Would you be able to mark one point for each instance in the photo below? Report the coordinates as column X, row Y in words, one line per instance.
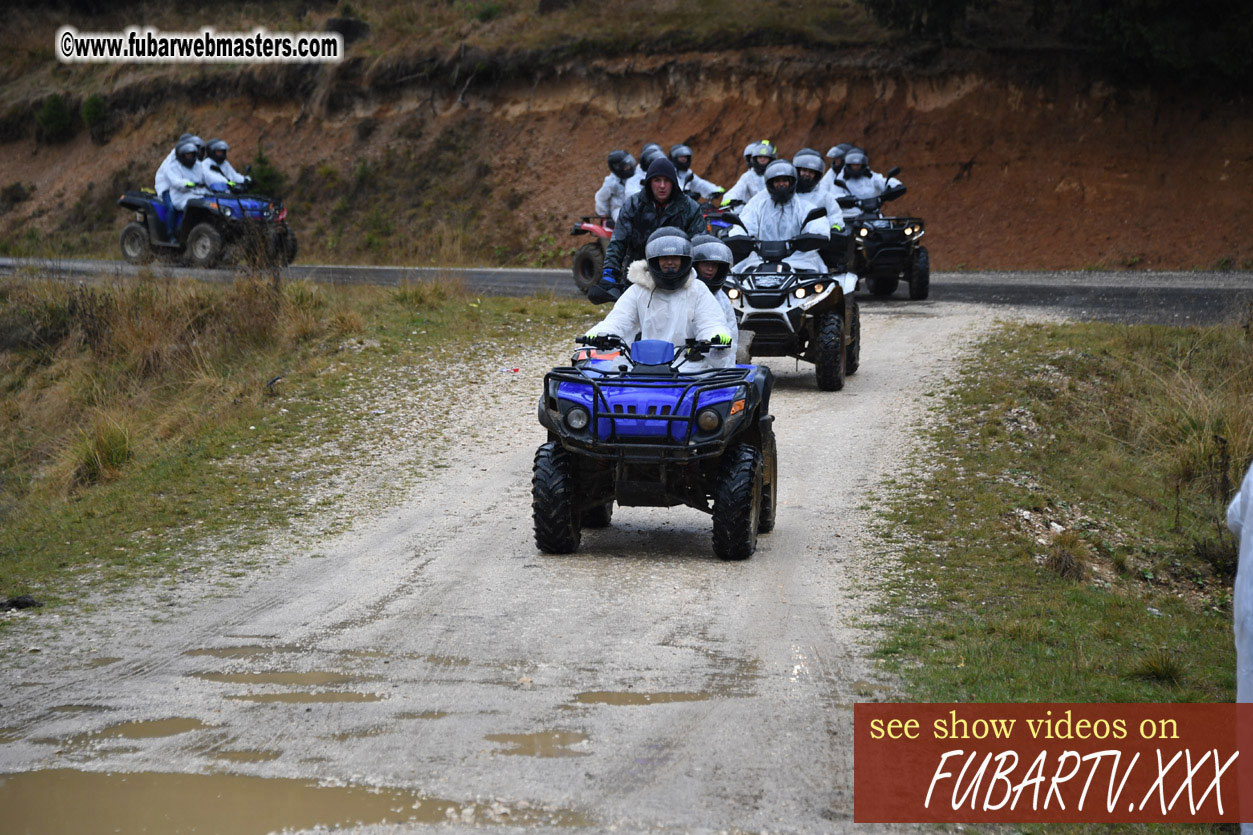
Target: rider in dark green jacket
column 659, row 203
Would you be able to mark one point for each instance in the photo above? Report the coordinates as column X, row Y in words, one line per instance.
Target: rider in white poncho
column 666, row 302
column 778, row 214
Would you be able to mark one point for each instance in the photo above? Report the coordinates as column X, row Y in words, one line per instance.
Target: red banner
column 1077, row 763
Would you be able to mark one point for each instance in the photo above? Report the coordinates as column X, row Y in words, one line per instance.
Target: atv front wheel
column 588, row 263
column 558, row 526
column 769, row 480
column 599, row 516
column 852, row 356
column 920, row 275
column 136, row 248
column 737, row 503
column 204, row 245
column 882, row 286
column 829, row 364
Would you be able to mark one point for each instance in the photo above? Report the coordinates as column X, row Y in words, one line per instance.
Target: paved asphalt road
column 1160, row 297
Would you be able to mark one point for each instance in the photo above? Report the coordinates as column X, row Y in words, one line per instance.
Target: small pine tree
column 267, row 179
column 55, row 121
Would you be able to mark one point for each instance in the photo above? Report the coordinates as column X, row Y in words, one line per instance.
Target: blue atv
column 213, row 227
column 626, row 425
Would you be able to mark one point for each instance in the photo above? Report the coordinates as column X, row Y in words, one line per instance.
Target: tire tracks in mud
column 663, row 689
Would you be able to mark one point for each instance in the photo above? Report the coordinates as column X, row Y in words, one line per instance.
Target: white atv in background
column 783, row 312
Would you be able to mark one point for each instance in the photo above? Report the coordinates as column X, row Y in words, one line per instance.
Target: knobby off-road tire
column 852, row 355
column 882, row 286
column 769, row 481
column 204, row 246
column 920, row 275
column 554, row 503
column 599, row 516
column 737, row 503
column 588, row 264
column 829, row 364
column 135, row 246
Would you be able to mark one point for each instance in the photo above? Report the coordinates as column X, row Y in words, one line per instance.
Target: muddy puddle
column 363, row 733
column 10, row 735
column 425, row 714
column 144, row 729
column 248, row 651
column 306, row 698
column 79, row 709
column 101, row 662
column 545, row 744
column 311, row 679
column 610, row 697
column 36, row 802
column 246, row 756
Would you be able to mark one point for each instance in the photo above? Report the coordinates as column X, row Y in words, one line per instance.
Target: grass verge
column 1062, row 538
column 145, row 421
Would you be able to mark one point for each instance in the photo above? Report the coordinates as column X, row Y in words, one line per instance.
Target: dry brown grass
column 90, row 375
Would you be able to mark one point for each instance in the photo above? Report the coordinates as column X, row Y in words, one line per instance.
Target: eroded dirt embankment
column 1014, row 164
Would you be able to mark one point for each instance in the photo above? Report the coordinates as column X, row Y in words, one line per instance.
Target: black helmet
column 808, row 159
column 666, row 241
column 202, row 150
column 709, row 248
column 856, row 164
column 780, row 168
column 621, row 164
column 186, row 153
column 650, row 146
column 764, row 148
column 218, row 149
column 681, row 156
column 651, row 155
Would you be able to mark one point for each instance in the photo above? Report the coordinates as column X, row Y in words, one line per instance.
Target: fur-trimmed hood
column 638, row 273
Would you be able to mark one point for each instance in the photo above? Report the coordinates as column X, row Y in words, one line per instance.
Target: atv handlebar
column 692, row 349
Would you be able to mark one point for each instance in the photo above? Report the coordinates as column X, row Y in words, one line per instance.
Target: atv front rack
column 665, row 448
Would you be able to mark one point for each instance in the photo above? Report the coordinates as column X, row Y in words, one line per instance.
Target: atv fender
column 847, row 282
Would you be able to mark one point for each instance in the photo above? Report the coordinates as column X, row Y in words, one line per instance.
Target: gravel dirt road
column 433, row 654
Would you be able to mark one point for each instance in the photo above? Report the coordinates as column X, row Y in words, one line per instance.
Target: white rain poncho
column 220, row 172
column 748, row 186
column 610, row 197
column 863, row 187
column 767, row 220
column 825, row 198
column 732, row 326
column 690, row 181
column 1240, row 521
column 185, row 183
column 634, row 184
column 675, row 316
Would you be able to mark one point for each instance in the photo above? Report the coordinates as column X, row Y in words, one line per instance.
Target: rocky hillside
column 460, row 144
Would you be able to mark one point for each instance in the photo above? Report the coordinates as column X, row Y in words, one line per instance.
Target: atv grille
column 764, row 300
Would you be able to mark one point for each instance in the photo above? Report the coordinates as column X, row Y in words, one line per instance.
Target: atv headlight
column 577, row 418
column 226, row 210
column 708, row 420
column 864, row 231
column 818, row 288
column 909, row 230
column 799, row 292
column 733, row 294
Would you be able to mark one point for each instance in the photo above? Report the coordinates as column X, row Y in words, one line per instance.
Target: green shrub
column 94, row 111
column 267, row 178
column 56, row 122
